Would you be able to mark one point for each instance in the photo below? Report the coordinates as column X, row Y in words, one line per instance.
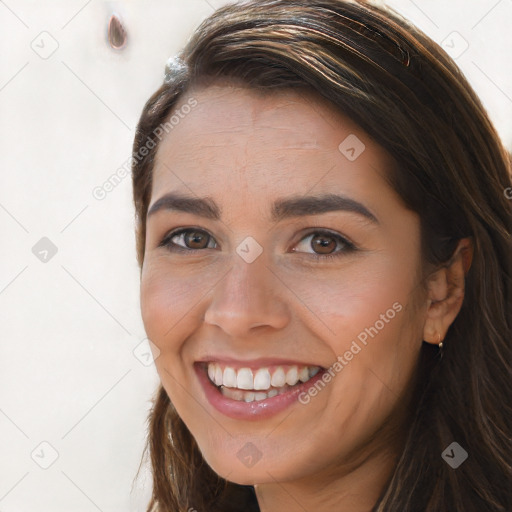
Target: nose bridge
column 248, row 296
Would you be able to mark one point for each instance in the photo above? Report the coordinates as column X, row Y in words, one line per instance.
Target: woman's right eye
column 186, row 240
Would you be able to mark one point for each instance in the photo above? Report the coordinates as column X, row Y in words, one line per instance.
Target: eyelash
column 349, row 247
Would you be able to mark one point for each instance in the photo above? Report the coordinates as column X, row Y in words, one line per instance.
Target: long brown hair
column 452, row 169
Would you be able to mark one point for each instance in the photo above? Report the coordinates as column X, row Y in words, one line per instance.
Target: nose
column 250, row 295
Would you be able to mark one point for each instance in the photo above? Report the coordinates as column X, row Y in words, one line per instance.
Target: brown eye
column 196, row 239
column 324, row 244
column 188, row 239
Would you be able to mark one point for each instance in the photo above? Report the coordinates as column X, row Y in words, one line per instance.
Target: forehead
column 236, row 138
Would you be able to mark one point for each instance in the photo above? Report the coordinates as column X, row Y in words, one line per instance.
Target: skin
column 244, row 149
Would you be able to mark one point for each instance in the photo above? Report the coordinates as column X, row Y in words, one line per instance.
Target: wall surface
column 76, row 376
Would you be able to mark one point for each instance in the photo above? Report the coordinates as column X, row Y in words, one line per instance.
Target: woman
column 324, row 238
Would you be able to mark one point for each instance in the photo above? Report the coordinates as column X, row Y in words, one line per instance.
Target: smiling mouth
column 256, row 384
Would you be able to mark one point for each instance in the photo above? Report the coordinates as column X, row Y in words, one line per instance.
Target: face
column 290, row 277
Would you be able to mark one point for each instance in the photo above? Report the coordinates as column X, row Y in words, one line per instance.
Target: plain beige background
column 75, row 374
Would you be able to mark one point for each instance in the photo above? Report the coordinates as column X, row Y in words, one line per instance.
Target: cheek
column 351, row 298
column 167, row 303
column 365, row 318
column 170, row 309
column 366, row 314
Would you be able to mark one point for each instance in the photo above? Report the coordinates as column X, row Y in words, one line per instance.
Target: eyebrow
column 282, row 208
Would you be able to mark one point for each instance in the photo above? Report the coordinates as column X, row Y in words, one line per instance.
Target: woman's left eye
column 321, row 240
column 326, row 242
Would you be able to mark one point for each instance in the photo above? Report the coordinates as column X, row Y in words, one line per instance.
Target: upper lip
column 257, row 363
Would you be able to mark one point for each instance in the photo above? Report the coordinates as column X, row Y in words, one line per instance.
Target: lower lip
column 255, row 410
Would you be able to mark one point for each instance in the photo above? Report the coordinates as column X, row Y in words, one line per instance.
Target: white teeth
column 249, row 396
column 292, row 376
column 313, row 370
column 279, row 378
column 304, row 374
column 244, row 384
column 211, row 372
column 234, row 394
column 218, row 376
column 229, row 378
column 244, row 379
column 262, row 379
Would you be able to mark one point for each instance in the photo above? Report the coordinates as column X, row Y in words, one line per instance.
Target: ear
column 446, row 289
